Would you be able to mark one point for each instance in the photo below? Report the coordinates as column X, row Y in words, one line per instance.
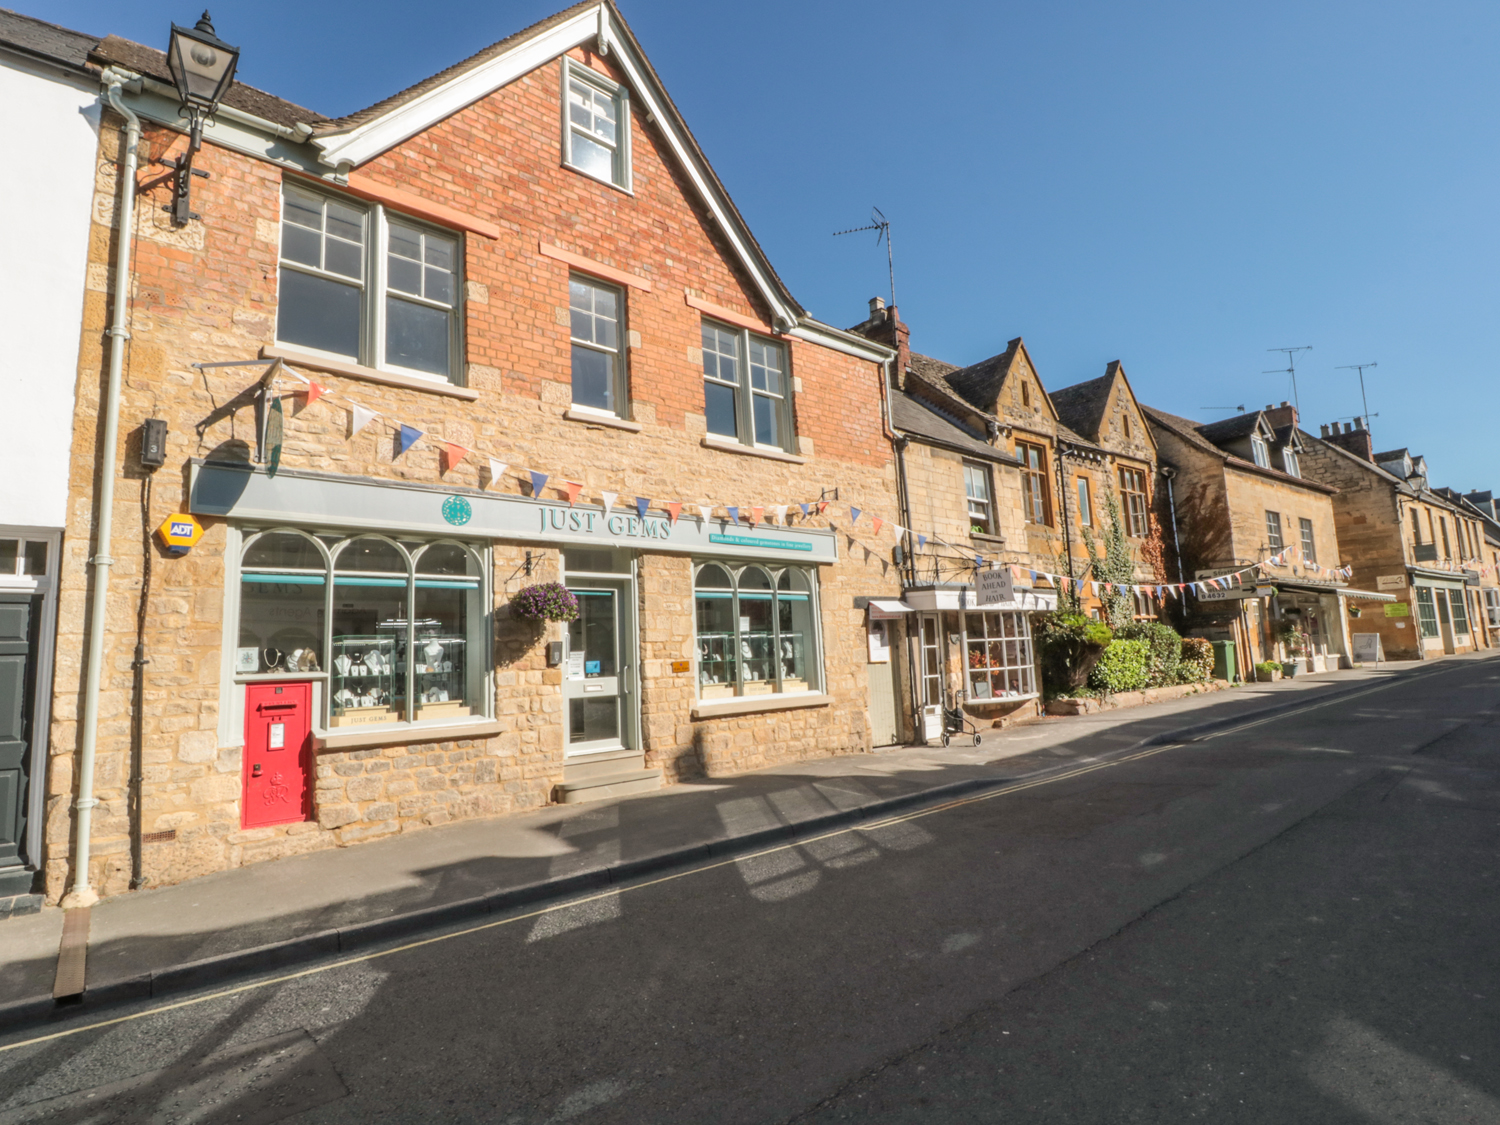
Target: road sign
column 180, row 531
column 1236, row 593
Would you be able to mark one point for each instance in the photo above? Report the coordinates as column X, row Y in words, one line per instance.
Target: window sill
column 750, row 705
column 729, row 445
column 999, row 700
column 981, row 537
column 573, row 414
column 397, row 736
column 367, row 374
column 598, row 179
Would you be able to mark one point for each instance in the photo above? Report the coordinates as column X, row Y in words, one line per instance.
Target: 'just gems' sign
column 313, row 500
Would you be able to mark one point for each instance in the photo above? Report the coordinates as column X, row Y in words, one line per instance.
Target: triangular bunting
column 497, row 470
column 609, row 499
column 360, row 417
column 878, row 522
column 674, row 509
column 921, row 541
column 734, row 514
column 571, row 489
column 707, row 511
column 755, row 514
column 452, row 455
column 805, row 508
column 538, row 482
column 641, row 504
column 780, row 511
column 315, row 392
column 854, row 515
column 408, row 437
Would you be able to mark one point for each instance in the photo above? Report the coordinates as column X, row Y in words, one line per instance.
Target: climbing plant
column 1110, row 560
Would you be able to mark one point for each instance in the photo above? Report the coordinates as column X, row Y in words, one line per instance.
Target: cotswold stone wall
column 208, row 293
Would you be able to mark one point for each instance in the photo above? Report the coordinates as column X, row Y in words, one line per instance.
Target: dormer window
column 1258, row 451
column 1289, row 461
column 596, row 125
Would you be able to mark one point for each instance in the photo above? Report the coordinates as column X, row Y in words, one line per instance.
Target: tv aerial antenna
column 1240, row 409
column 882, row 228
column 1290, row 369
column 1360, row 367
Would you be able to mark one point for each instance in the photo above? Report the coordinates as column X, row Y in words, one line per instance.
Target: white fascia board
column 824, row 336
column 728, row 225
column 226, row 132
column 365, row 142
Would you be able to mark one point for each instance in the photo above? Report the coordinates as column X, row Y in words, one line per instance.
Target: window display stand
column 365, row 683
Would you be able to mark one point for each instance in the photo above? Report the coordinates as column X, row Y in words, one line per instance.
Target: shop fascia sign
column 307, row 499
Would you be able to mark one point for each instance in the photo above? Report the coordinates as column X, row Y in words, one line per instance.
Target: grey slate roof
column 153, row 63
column 924, row 421
column 1081, row 406
column 1231, row 429
column 44, row 40
column 980, row 382
column 1194, row 434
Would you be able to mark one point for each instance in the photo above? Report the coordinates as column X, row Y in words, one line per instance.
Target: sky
column 1177, row 185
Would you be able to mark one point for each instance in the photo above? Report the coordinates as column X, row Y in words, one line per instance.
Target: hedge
column 1124, row 666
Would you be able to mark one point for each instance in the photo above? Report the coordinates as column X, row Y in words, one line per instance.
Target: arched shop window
column 399, row 628
column 756, row 630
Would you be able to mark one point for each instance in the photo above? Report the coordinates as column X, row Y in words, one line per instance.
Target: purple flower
column 546, row 601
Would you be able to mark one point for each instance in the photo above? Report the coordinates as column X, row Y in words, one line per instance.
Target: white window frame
column 978, row 473
column 619, row 351
column 1023, row 668
column 1137, row 503
column 374, row 290
column 1309, row 539
column 1085, row 503
column 745, row 394
column 1289, row 462
column 1258, row 452
column 1275, row 531
column 601, row 84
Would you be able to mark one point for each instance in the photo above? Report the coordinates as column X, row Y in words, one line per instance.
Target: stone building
column 1406, row 539
column 505, row 328
column 1484, row 506
column 1242, row 493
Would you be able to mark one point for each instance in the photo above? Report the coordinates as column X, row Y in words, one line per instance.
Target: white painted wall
column 51, row 134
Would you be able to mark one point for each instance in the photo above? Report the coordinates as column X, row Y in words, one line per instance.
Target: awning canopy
column 888, row 607
column 955, row 598
column 1366, row 595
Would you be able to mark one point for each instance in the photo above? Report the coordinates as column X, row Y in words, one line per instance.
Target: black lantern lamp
column 202, row 67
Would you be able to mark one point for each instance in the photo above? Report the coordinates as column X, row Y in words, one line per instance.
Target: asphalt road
column 1294, row 921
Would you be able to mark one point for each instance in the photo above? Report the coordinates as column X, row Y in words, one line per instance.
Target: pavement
column 163, row 940
column 1279, row 906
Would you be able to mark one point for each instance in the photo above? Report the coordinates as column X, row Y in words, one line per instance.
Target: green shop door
column 19, row 617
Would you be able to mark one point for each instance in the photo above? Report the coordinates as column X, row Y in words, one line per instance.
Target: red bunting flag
column 756, row 513
column 570, row 489
column 674, row 509
column 314, row 392
column 452, row 455
column 878, row 522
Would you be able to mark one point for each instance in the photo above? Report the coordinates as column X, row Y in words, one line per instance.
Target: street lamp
column 202, row 67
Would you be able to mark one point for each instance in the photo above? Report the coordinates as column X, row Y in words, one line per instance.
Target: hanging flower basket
column 546, row 601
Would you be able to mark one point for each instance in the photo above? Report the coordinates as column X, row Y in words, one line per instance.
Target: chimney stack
column 1283, row 415
column 1354, row 438
column 877, row 306
column 885, row 327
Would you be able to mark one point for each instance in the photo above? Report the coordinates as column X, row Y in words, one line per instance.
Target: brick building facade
column 527, row 261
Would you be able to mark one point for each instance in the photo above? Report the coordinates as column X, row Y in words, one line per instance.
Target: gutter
column 83, row 894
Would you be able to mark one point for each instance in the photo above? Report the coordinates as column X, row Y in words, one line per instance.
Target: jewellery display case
column 716, row 665
column 365, row 682
column 441, row 673
column 753, row 655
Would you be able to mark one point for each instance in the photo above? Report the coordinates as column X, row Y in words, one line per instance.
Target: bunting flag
column 707, row 511
column 822, row 506
column 805, row 508
column 360, row 417
column 571, row 489
column 674, row 509
column 641, row 504
column 734, row 514
column 609, row 499
column 314, row 392
column 408, row 437
column 755, row 515
column 854, row 515
column 538, row 481
column 497, row 469
column 878, row 522
column 921, row 541
column 780, row 510
column 452, row 455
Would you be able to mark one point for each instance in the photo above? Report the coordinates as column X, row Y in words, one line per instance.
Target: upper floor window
column 596, row 131
column 1447, row 549
column 361, row 285
column 595, row 312
column 1289, row 461
column 1133, row 489
column 1416, row 529
column 1309, row 545
column 977, row 490
column 1258, row 451
column 1085, row 503
column 1034, row 494
column 1273, row 531
column 745, row 387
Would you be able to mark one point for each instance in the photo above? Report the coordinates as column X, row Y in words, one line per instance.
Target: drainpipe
column 83, row 894
column 903, row 501
column 1169, row 472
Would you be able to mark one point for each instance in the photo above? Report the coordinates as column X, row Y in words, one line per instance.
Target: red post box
column 278, row 754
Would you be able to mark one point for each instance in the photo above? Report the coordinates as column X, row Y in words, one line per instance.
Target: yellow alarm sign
column 179, row 531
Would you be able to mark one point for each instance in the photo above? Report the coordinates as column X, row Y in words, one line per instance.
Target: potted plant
column 1267, row 672
column 546, row 601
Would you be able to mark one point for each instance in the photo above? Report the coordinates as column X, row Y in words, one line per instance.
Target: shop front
column 370, row 614
column 1444, row 611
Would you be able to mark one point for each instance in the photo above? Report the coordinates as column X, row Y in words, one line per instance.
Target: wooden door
column 19, row 615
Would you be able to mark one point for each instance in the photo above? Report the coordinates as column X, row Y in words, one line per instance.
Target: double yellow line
column 917, row 814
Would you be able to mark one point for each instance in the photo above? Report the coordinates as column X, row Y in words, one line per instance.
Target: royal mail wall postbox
column 278, row 754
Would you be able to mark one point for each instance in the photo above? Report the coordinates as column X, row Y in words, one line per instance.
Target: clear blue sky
column 1176, row 185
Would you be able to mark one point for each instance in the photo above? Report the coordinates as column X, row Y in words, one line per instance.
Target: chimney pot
column 1358, row 424
column 1285, row 403
column 876, row 305
column 1325, row 432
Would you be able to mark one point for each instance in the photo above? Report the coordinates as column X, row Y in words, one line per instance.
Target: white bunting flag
column 360, row 417
column 609, row 500
column 497, row 470
column 780, row 510
column 707, row 511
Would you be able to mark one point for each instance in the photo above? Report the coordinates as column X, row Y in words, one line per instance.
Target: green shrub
column 1197, row 660
column 1266, row 667
column 1069, row 645
column 1124, row 666
column 1166, row 649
